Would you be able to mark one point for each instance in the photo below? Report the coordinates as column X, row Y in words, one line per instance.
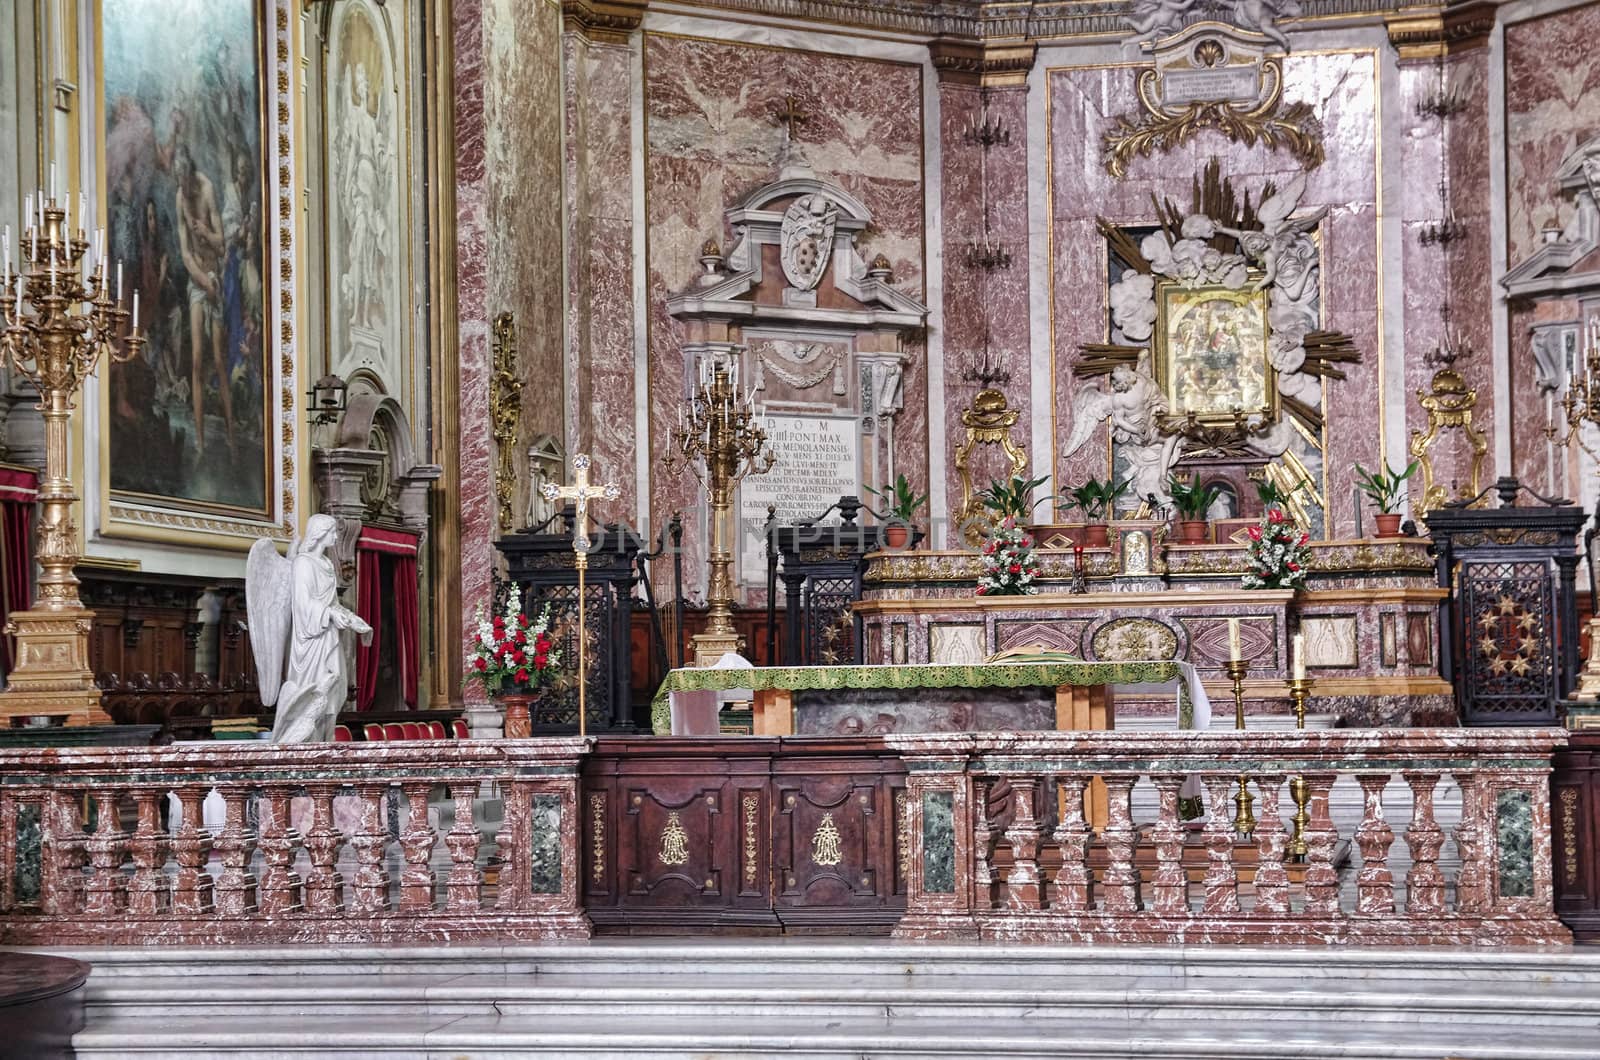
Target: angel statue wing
column 267, row 588
column 1276, row 208
column 1090, row 406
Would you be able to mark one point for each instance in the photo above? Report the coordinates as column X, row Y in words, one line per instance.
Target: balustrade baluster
column 1023, row 890
column 105, row 891
column 1272, row 879
column 236, row 886
column 1221, row 882
column 1169, row 887
column 983, row 843
column 1424, row 838
column 416, row 879
column 1374, row 883
column 1472, row 844
column 1074, row 884
column 147, row 889
column 369, row 886
column 463, row 883
column 280, row 884
column 1121, row 879
column 514, row 887
column 324, row 886
column 1322, row 880
column 61, row 854
column 191, row 848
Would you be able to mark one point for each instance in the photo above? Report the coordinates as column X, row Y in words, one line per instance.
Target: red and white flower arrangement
column 510, row 652
column 1278, row 553
column 1009, row 565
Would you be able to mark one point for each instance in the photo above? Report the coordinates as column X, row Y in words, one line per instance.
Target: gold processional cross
column 581, row 493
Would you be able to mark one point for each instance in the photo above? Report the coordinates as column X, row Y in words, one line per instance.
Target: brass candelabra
column 60, row 313
column 1579, row 405
column 1299, row 690
column 1244, row 820
column 720, row 441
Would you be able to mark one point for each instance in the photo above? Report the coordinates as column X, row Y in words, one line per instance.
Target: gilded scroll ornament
column 988, row 422
column 505, row 416
column 1449, row 403
column 674, row 842
column 597, row 834
column 751, row 803
column 825, row 847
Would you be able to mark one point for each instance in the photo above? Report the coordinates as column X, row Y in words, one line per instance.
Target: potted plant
column 1192, row 502
column 1385, row 488
column 511, row 657
column 1012, row 500
column 1096, row 499
column 903, row 503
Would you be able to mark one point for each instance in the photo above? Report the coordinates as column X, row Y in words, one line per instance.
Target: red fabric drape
column 19, row 492
column 400, row 548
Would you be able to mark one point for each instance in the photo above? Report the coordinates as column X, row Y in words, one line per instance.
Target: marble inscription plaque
column 817, row 461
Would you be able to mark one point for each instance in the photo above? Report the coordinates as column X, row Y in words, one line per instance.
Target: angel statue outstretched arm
column 297, row 629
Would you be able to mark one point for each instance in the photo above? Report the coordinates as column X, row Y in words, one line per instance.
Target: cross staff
column 581, row 493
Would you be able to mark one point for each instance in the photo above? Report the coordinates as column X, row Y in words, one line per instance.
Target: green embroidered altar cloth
column 1194, row 710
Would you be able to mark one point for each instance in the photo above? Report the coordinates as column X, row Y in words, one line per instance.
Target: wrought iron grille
column 1507, row 610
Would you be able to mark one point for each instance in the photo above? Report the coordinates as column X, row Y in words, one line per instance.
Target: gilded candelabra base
column 1299, row 691
column 52, row 675
column 1244, row 821
column 710, row 647
column 1589, row 679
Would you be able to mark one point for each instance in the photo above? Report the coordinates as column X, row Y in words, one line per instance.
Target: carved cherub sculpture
column 1287, row 255
column 294, row 611
column 1154, row 18
column 1134, row 405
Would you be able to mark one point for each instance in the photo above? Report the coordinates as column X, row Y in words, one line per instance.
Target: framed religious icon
column 185, row 212
column 1210, row 353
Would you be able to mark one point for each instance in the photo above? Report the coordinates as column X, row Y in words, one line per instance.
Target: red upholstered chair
column 459, row 727
column 341, row 734
column 412, row 730
column 393, row 731
column 436, row 730
column 372, row 731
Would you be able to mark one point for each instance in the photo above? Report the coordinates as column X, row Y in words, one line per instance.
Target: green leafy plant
column 1095, row 498
column 1012, row 500
column 1384, row 487
column 1191, row 499
column 901, row 499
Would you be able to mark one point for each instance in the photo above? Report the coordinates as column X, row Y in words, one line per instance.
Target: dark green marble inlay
column 1513, row 811
column 544, row 847
column 938, row 842
column 25, row 877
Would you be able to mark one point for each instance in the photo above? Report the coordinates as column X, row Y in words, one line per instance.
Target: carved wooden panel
column 1575, row 822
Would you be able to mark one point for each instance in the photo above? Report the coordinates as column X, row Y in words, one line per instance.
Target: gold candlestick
column 1244, row 821
column 721, row 443
column 1299, row 690
column 77, row 315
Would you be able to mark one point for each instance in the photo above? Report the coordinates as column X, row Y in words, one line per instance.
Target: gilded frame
column 197, row 522
column 1200, row 383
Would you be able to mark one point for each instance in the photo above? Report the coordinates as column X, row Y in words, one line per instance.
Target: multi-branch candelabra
column 60, row 313
column 1580, row 405
column 721, row 442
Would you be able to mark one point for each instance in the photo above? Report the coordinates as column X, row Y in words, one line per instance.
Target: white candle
column 119, row 282
column 5, row 270
column 1233, row 640
column 27, row 210
column 66, row 219
column 136, row 309
column 52, row 182
column 1299, row 657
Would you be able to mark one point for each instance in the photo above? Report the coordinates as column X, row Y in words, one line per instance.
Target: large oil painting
column 1211, row 352
column 185, row 214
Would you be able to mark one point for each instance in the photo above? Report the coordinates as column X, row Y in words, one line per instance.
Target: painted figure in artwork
column 362, row 145
column 202, row 245
column 294, row 604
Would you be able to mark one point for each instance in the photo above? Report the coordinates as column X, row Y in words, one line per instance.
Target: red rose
column 1293, row 565
column 522, row 620
column 499, row 623
column 1275, row 515
column 481, row 664
column 988, row 548
column 522, row 677
column 1255, row 533
column 1304, row 538
column 1015, row 568
column 982, row 590
column 541, row 662
column 1027, row 542
column 541, row 642
column 521, row 637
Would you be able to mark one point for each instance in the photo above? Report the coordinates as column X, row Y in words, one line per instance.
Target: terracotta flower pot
column 896, row 536
column 1193, row 531
column 1388, row 524
column 518, row 719
column 1096, row 535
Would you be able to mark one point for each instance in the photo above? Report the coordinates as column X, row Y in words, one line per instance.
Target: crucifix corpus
column 581, row 493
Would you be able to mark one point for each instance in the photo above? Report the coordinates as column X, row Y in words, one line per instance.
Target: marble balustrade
column 973, row 796
column 113, row 845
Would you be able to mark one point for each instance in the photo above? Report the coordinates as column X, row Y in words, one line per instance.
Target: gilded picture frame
column 1209, row 352
column 191, row 428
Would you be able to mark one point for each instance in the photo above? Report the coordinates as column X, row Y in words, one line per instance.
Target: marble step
column 779, row 995
column 419, row 1037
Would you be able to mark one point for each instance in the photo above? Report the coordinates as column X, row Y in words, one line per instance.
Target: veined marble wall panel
column 961, row 214
column 1552, row 104
column 600, row 313
column 1342, row 85
column 711, row 136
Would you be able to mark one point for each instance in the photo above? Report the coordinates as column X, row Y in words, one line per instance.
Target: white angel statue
column 294, row 604
column 1134, row 405
column 1285, row 251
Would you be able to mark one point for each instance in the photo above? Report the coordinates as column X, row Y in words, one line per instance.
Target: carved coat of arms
column 808, row 239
